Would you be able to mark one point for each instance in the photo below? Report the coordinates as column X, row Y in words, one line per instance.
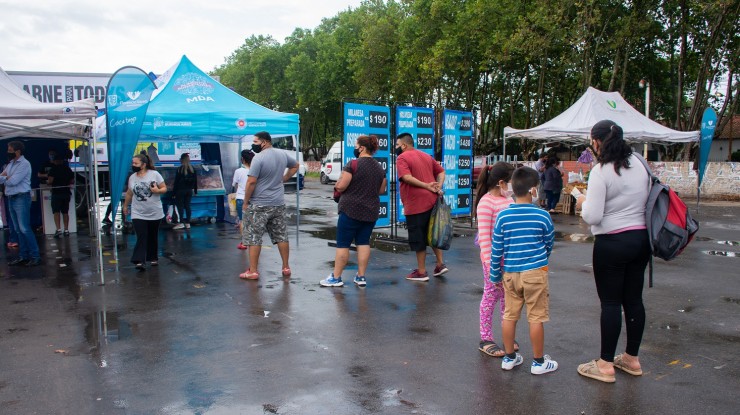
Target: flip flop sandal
column 491, row 349
column 619, row 364
column 247, row 275
column 286, row 272
column 591, row 370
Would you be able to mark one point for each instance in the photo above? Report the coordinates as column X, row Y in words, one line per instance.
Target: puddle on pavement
column 732, row 300
column 703, row 239
column 574, row 237
column 722, row 253
column 732, row 243
column 378, row 240
column 103, row 328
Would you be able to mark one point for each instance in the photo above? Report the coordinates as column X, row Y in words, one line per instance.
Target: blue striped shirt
column 523, row 236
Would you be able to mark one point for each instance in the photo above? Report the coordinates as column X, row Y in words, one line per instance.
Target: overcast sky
column 104, row 35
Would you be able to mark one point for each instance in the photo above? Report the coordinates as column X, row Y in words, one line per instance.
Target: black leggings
column 147, row 240
column 182, row 201
column 619, row 269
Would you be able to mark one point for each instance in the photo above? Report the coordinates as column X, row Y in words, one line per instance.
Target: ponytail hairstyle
column 489, row 178
column 145, row 161
column 247, row 156
column 552, row 161
column 612, row 147
column 185, row 166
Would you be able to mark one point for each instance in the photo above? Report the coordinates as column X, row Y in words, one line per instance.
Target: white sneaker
column 548, row 366
column 508, row 363
column 179, row 226
column 187, row 226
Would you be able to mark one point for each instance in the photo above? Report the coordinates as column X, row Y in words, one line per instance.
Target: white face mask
column 506, row 192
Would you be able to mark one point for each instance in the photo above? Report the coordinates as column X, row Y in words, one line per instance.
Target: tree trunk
column 615, row 69
column 681, row 62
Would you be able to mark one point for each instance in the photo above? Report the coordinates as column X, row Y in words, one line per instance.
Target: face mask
column 256, row 148
column 11, row 156
column 399, row 150
column 507, row 193
column 357, row 152
column 136, row 169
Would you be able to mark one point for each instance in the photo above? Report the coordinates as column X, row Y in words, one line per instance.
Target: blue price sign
column 419, row 122
column 360, row 119
column 457, row 160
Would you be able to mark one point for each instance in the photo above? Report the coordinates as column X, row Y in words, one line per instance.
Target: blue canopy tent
column 190, row 106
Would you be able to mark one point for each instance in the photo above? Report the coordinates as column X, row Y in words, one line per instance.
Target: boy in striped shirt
column 523, row 236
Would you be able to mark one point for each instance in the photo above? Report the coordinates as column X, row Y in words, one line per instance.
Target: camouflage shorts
column 258, row 219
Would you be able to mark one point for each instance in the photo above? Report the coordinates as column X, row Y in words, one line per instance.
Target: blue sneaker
column 548, row 366
column 360, row 281
column 330, row 281
column 508, row 363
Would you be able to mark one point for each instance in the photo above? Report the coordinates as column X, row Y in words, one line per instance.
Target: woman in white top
column 618, row 188
column 143, row 201
column 240, row 183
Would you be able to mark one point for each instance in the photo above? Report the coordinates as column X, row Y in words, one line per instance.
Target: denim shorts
column 239, row 206
column 349, row 229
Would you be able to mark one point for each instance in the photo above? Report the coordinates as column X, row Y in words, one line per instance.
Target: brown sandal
column 491, row 349
column 591, row 370
column 619, row 364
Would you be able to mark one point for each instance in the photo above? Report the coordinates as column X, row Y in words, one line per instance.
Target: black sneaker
column 58, row 233
column 18, row 261
column 33, row 262
column 107, row 221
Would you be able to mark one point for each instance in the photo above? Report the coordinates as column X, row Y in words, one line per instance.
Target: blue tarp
column 191, row 106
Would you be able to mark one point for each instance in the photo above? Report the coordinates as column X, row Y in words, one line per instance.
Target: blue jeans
column 20, row 214
column 239, row 207
column 13, row 235
column 553, row 197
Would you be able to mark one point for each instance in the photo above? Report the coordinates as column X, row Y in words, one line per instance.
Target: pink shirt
column 488, row 209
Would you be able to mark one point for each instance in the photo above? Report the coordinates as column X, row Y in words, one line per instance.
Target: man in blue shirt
column 17, row 180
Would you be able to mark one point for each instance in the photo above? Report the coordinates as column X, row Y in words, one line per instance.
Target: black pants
column 147, row 240
column 619, row 269
column 182, row 201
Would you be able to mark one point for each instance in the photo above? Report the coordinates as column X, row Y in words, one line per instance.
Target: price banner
column 360, row 119
column 419, row 122
column 457, row 160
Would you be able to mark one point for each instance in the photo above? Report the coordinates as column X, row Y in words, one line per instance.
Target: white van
column 331, row 166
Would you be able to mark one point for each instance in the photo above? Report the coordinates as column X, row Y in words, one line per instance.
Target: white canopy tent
column 573, row 126
column 21, row 115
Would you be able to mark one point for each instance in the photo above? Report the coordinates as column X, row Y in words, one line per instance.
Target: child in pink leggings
column 493, row 196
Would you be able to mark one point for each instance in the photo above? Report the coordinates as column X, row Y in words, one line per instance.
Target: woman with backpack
column 618, row 188
column 185, row 186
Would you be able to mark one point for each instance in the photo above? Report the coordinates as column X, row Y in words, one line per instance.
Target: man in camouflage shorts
column 269, row 218
column 264, row 202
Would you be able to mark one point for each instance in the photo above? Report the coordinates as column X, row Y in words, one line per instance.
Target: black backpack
column 669, row 224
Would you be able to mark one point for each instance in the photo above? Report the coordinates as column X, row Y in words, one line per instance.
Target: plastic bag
column 232, row 204
column 439, row 233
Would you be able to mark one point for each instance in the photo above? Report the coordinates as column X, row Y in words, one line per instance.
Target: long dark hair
column 551, row 161
column 489, row 178
column 613, row 148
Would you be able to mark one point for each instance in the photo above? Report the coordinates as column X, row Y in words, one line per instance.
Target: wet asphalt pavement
column 190, row 337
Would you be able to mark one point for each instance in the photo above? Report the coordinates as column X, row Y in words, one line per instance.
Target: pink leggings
column 492, row 293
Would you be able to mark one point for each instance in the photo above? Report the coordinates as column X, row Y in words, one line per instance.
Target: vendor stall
column 573, row 126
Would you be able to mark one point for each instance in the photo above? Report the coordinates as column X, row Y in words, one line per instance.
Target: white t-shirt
column 240, row 181
column 145, row 204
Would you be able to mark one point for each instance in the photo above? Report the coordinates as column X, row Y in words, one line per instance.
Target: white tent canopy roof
column 574, row 124
column 21, row 115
